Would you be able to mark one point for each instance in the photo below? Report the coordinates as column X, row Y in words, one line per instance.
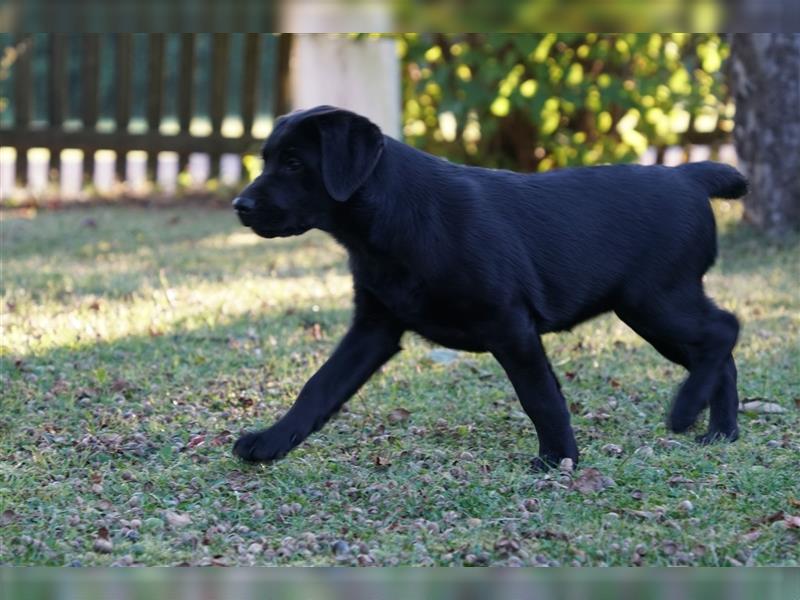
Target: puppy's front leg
column 369, row 343
column 539, row 392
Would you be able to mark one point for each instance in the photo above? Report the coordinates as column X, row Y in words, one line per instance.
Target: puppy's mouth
column 276, row 233
column 267, row 231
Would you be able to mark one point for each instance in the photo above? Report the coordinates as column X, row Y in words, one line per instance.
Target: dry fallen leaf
column 176, row 519
column 669, row 547
column 103, row 545
column 642, row 514
column 760, row 406
column 777, row 516
column 591, row 480
column 678, row 479
column 315, row 331
column 612, row 450
column 398, row 414
column 752, row 536
column 792, row 521
column 442, row 356
column 381, row 462
column 196, row 440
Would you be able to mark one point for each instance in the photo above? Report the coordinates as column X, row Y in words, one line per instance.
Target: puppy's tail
column 719, row 180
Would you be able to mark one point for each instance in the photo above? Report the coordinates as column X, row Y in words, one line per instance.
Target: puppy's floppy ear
column 351, row 146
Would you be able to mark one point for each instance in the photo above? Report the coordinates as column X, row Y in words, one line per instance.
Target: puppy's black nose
column 244, row 204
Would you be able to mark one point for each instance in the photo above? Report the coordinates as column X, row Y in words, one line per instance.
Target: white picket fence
column 70, row 178
column 70, row 182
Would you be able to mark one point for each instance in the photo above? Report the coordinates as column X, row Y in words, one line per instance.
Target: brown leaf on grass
column 669, row 547
column 381, row 462
column 752, row 536
column 776, row 516
column 121, row 385
column 222, row 438
column 598, row 416
column 196, row 440
column 176, row 519
column 797, row 402
column 679, row 479
column 506, row 546
column 549, row 534
column 398, row 415
column 760, row 406
column 792, row 521
column 615, row 383
column 315, row 331
column 642, row 514
column 102, row 533
column 591, row 480
column 103, row 546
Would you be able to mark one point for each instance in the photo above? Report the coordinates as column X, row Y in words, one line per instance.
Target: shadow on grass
column 743, row 250
column 245, row 372
column 121, row 251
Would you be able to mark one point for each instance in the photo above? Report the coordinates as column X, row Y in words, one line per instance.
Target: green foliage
column 537, row 101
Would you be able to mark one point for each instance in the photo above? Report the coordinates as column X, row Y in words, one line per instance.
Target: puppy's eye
column 292, row 163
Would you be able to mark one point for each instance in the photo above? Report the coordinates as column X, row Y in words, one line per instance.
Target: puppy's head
column 313, row 159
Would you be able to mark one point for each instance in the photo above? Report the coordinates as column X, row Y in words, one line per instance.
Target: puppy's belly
column 471, row 340
column 456, row 324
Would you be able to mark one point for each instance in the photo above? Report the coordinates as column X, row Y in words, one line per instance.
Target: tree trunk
column 765, row 77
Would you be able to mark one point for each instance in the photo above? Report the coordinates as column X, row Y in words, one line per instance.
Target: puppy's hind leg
column 539, row 392
column 688, row 329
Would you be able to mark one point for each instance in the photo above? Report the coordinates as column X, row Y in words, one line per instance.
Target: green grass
column 136, row 345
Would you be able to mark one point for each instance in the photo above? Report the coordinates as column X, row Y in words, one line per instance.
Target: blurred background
column 437, row 584
column 163, row 115
column 142, row 328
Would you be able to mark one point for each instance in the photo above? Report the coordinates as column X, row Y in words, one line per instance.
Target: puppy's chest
column 441, row 313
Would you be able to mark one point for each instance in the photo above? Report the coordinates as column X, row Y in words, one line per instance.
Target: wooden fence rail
column 249, row 56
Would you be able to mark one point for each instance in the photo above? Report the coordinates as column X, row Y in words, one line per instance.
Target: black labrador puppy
column 487, row 260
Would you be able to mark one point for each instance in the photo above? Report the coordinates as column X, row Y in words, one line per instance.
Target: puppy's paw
column 548, row 462
column 265, row 446
column 712, row 437
column 681, row 420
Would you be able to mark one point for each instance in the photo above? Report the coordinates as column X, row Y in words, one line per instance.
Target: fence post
column 281, row 96
column 185, row 79
column 220, row 50
column 57, row 92
column 249, row 85
column 90, row 76
column 22, row 95
column 123, row 116
column 155, row 94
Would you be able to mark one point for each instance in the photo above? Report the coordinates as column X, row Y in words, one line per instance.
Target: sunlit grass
column 136, row 343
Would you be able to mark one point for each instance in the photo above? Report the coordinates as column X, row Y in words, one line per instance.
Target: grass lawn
column 137, row 343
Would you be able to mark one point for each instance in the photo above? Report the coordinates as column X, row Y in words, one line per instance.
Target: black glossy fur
column 487, row 260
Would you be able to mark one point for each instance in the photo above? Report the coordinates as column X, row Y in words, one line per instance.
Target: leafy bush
column 538, row 101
